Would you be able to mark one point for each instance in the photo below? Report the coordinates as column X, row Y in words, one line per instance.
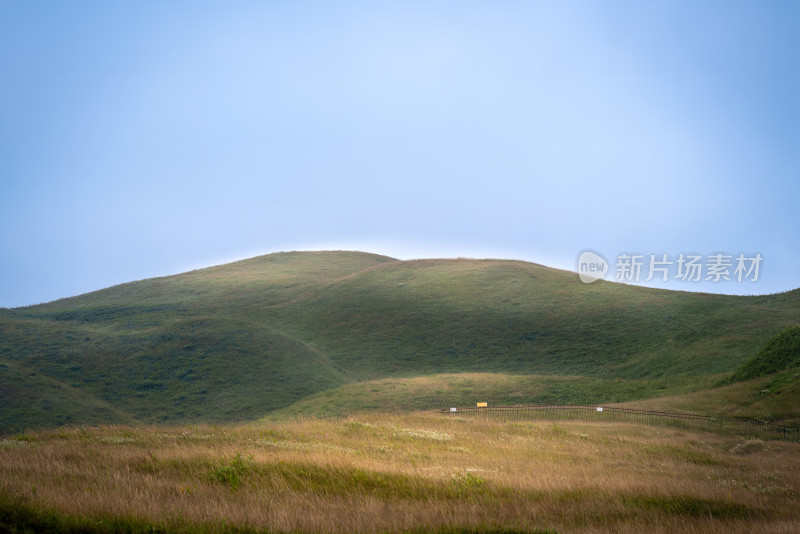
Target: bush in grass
column 231, row 473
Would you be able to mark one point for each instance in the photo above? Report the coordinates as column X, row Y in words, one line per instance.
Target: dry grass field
column 389, row 473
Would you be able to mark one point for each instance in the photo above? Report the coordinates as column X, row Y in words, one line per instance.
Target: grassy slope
column 399, row 395
column 238, row 341
column 780, row 352
column 420, row 317
column 185, row 347
column 29, row 396
column 767, row 386
column 773, row 398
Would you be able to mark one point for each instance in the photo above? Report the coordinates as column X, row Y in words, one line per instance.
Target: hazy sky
column 148, row 138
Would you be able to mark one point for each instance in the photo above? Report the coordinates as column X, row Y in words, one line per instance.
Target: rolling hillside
column 331, row 331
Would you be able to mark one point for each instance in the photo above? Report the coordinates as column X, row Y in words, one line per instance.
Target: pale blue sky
column 148, row 138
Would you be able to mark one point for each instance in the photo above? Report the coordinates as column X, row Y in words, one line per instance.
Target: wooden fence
column 720, row 424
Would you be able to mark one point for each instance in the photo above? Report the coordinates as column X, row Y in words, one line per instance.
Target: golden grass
column 378, row 473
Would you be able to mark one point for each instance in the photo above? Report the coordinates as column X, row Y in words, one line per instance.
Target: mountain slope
column 427, row 316
column 239, row 341
column 30, row 399
column 780, row 352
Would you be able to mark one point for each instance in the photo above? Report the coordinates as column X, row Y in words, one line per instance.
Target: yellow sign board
column 482, row 405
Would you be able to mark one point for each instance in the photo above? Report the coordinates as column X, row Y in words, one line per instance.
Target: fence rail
column 719, row 424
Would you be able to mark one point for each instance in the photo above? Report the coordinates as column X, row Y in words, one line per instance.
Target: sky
column 142, row 139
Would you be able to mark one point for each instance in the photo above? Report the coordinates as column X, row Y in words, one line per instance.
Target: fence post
column 748, row 427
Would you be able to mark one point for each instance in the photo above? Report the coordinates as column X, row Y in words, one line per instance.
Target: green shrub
column 231, row 473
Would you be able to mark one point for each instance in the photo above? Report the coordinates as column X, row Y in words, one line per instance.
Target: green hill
column 780, row 353
column 328, row 330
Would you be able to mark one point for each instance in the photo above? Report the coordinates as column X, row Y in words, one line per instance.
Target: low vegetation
column 299, row 380
column 391, row 473
column 332, row 332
